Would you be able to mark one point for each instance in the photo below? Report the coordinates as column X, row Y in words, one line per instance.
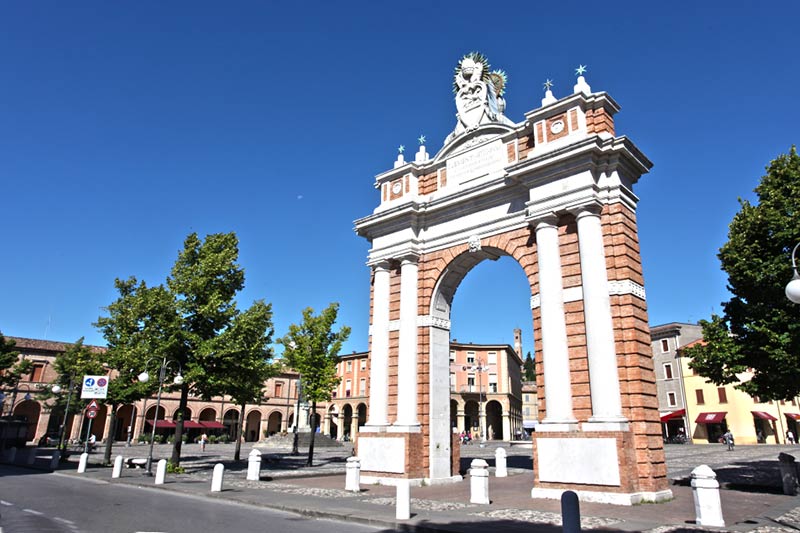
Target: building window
column 664, row 345
column 527, row 398
column 38, row 372
column 492, row 356
column 348, row 386
column 363, row 364
column 349, row 366
column 527, row 411
column 492, row 382
column 452, row 356
column 333, row 394
column 278, row 390
column 471, row 358
column 723, row 395
column 700, row 399
column 471, row 382
column 671, row 399
column 362, row 386
column 668, row 370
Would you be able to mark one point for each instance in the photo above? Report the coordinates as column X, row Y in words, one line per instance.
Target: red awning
column 191, row 424
column 793, row 416
column 211, row 424
column 673, row 414
column 162, row 424
column 762, row 415
column 710, row 418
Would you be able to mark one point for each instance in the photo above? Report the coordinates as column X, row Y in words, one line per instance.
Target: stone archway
column 274, row 423
column 333, row 425
column 231, row 423
column 31, row 410
column 453, row 414
column 555, row 193
column 494, row 421
column 252, row 426
column 126, row 421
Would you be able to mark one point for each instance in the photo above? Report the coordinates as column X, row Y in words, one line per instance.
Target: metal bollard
column 117, row 467
column 161, row 472
column 216, row 477
column 500, row 463
column 54, row 460
column 788, row 473
column 352, row 481
column 82, row 463
column 570, row 512
column 254, row 465
column 705, row 490
column 479, row 481
column 403, row 511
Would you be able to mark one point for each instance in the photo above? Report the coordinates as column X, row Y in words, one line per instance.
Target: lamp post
column 298, row 406
column 793, row 287
column 144, row 377
column 479, row 368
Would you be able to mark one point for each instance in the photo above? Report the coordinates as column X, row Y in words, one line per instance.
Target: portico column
column 507, row 427
column 407, row 360
column 555, row 356
column 460, row 422
column 340, row 435
column 379, row 356
column 600, row 347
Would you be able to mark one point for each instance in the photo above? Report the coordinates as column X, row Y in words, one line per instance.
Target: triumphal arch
column 554, row 191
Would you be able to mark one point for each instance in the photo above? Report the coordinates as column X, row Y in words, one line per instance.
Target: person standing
column 728, row 439
column 203, row 440
column 789, row 436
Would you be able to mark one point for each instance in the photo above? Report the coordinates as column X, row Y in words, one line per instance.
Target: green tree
column 759, row 329
column 238, row 361
column 529, row 368
column 128, row 350
column 312, row 349
column 12, row 368
column 76, row 361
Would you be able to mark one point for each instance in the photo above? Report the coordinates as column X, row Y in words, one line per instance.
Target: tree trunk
column 313, row 421
column 176, row 446
column 238, row 452
column 111, row 433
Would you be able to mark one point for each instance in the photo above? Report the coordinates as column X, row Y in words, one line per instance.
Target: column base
column 373, row 428
column 390, row 454
column 547, row 427
column 614, row 498
column 413, row 428
column 620, row 424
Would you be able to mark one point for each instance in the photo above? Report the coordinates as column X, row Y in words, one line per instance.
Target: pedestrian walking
column 728, row 439
column 203, row 440
column 789, row 436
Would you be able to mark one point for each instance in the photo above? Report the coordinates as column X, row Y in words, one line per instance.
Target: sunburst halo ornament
column 476, row 57
column 401, row 149
column 499, row 80
column 421, row 140
column 580, row 70
column 548, row 84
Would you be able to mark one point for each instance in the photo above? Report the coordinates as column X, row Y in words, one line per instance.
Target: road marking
column 31, row 511
column 7, row 504
column 65, row 521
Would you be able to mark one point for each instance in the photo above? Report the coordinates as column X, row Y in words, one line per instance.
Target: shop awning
column 793, row 416
column 191, row 424
column 762, row 415
column 162, row 424
column 710, row 418
column 673, row 414
column 211, row 424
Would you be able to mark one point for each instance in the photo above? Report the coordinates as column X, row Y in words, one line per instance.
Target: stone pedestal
column 387, row 456
column 705, row 490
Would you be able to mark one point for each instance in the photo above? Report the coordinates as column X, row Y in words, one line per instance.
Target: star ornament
column 421, row 140
column 401, row 149
column 548, row 85
column 580, row 70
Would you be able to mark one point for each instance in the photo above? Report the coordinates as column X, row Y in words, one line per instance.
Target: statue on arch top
column 479, row 94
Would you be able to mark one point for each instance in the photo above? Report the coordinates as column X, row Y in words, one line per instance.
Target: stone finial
column 400, row 159
column 548, row 93
column 581, row 86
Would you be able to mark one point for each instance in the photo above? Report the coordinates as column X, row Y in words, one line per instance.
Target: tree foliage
column 12, row 368
column 760, row 327
column 312, row 349
column 529, row 368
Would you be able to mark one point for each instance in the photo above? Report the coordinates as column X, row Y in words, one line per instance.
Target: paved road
column 42, row 503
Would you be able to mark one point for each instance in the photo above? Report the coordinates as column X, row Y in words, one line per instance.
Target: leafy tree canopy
column 760, row 328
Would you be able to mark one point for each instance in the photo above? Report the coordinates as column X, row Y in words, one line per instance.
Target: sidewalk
column 286, row 484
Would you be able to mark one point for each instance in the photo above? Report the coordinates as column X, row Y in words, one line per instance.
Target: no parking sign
column 95, row 387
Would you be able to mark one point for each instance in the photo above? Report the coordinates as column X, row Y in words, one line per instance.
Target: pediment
column 480, row 135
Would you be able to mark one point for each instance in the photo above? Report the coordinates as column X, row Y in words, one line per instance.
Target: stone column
column 507, row 431
column 558, row 389
column 460, row 418
column 379, row 368
column 407, row 360
column 353, row 427
column 602, row 355
column 326, row 424
column 340, row 435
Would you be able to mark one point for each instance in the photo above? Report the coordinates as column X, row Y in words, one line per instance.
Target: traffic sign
column 95, row 387
column 93, row 406
column 92, row 413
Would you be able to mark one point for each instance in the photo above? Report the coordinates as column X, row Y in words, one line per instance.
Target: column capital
column 544, row 220
column 590, row 208
column 409, row 258
column 383, row 265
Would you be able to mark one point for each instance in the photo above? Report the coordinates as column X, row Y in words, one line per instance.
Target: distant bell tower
column 553, row 191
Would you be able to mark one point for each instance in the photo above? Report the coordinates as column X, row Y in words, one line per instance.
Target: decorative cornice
column 433, row 321
column 615, row 288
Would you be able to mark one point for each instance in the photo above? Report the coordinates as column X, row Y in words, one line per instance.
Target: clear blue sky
column 126, row 126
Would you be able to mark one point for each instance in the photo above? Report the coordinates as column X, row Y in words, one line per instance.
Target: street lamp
column 479, row 368
column 793, row 287
column 144, row 377
column 298, row 407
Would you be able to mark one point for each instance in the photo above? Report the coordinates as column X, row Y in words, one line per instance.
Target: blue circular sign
column 89, row 382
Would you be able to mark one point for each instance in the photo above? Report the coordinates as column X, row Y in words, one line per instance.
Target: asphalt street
column 32, row 502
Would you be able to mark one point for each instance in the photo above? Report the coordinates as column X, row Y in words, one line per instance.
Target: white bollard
column 705, row 490
column 31, row 456
column 254, row 465
column 352, row 480
column 82, row 463
column 54, row 459
column 216, row 478
column 479, row 481
column 500, row 463
column 161, row 471
column 403, row 500
column 11, row 455
column 117, row 467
